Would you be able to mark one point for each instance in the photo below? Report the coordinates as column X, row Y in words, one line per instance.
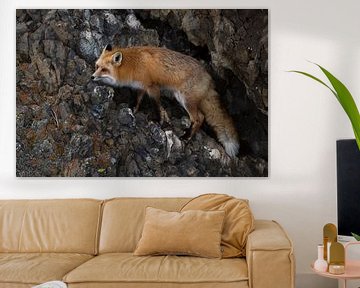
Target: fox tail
column 217, row 117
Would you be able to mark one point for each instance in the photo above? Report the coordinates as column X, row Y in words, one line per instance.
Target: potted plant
column 345, row 99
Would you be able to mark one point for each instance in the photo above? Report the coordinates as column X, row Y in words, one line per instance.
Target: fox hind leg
column 196, row 118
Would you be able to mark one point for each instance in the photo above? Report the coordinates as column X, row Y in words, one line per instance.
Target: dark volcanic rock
column 68, row 126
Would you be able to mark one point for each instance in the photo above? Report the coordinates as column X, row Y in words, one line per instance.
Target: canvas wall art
column 142, row 93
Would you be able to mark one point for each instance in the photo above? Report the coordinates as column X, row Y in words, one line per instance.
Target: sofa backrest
column 123, row 220
column 67, row 226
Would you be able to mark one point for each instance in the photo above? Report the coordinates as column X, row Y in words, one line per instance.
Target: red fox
column 150, row 69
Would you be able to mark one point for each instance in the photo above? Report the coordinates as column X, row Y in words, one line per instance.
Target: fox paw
column 135, row 109
column 186, row 136
column 164, row 118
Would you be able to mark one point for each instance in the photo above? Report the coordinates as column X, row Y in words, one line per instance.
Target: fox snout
column 94, row 77
column 104, row 79
column 99, row 78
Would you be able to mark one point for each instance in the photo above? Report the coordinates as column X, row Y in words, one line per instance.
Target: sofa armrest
column 269, row 255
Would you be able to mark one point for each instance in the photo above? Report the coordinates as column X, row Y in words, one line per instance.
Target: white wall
column 305, row 121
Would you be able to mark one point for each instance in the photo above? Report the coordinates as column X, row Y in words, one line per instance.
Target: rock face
column 68, row 126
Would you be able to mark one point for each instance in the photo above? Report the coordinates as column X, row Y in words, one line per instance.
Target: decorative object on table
column 320, row 264
column 336, row 269
column 51, row 284
column 337, row 258
column 344, row 97
column 333, row 251
column 340, row 267
column 329, row 236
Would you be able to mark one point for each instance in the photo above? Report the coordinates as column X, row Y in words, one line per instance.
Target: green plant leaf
column 344, row 97
column 357, row 137
column 316, row 79
column 346, row 100
column 357, row 237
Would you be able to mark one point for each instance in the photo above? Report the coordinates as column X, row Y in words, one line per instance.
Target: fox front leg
column 139, row 98
column 163, row 116
column 154, row 92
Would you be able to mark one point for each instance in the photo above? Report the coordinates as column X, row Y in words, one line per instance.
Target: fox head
column 105, row 66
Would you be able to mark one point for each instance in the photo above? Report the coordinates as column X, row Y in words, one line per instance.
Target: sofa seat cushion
column 127, row 268
column 36, row 268
column 242, row 284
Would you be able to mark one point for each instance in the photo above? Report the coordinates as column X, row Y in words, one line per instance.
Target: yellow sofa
column 89, row 243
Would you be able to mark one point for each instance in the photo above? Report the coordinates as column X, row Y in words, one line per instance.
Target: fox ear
column 116, row 58
column 108, row 47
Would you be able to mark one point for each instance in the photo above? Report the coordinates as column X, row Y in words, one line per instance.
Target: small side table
column 352, row 269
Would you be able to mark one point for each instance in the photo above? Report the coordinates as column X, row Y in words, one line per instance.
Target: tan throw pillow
column 196, row 233
column 239, row 220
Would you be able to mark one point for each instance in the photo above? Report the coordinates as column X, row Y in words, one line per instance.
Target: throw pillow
column 196, row 233
column 238, row 223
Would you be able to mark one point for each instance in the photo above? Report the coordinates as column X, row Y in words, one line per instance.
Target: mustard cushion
column 238, row 223
column 164, row 270
column 193, row 232
column 36, row 268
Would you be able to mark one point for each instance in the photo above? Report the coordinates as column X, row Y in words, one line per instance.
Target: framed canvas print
column 148, row 93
